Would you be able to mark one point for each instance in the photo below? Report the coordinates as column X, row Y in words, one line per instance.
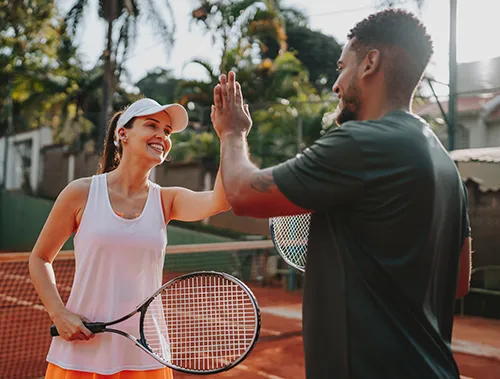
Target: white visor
column 147, row 107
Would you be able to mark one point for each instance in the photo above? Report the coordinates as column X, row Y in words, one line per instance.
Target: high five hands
column 230, row 115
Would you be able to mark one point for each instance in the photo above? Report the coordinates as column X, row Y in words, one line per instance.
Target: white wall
column 481, row 135
column 493, row 134
column 476, row 138
column 18, row 144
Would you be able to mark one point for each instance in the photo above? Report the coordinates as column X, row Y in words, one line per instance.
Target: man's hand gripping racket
column 200, row 323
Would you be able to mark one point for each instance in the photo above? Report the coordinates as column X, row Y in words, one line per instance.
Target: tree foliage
column 284, row 67
column 259, row 45
column 33, row 43
column 122, row 16
column 318, row 52
column 161, row 85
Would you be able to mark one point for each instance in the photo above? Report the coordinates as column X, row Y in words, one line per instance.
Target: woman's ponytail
column 111, row 154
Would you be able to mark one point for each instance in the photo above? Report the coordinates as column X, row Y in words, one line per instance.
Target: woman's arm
column 61, row 223
column 186, row 205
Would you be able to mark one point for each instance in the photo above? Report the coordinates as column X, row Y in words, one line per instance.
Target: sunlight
column 477, row 29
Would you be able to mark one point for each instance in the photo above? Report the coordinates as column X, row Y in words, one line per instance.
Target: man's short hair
column 404, row 41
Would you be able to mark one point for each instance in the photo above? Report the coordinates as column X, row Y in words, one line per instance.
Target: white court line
column 270, row 331
column 17, row 301
column 477, row 349
column 283, row 312
column 258, row 372
column 41, row 308
column 27, row 280
column 459, row 346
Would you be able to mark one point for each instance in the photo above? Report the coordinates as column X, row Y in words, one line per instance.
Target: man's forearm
column 236, row 166
column 251, row 191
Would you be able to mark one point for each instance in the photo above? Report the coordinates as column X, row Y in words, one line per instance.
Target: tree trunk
column 109, row 75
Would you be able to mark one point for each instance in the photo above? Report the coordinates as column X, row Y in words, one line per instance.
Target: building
column 478, row 106
column 21, row 161
column 480, row 170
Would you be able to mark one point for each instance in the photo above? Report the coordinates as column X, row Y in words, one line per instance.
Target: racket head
column 203, row 322
column 290, row 236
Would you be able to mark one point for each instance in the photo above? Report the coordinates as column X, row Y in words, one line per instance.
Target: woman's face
column 149, row 137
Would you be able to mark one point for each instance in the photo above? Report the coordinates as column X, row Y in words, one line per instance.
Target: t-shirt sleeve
column 466, row 232
column 326, row 174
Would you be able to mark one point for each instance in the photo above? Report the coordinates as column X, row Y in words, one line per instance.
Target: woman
column 120, row 219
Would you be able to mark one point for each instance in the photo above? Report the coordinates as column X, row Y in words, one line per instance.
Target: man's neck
column 375, row 110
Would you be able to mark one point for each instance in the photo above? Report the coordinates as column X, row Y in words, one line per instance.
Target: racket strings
column 290, row 236
column 201, row 323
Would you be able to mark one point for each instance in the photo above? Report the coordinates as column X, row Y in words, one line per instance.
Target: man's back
column 384, row 250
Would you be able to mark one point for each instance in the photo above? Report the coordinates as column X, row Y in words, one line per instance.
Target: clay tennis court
column 277, row 355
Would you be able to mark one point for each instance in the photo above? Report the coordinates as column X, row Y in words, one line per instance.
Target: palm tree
column 232, row 21
column 123, row 15
column 66, row 97
column 238, row 25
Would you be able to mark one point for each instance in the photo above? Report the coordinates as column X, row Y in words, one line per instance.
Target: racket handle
column 94, row 327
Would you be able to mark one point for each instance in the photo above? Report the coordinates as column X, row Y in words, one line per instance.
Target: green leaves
column 160, row 85
column 29, row 34
column 32, row 43
column 193, row 146
column 284, row 103
column 278, row 60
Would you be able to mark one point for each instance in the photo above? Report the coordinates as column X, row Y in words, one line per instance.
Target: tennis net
column 24, row 323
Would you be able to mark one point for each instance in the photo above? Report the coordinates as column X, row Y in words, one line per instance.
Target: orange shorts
column 56, row 372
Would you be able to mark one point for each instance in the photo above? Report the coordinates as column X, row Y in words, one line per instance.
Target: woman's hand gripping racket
column 290, row 235
column 200, row 323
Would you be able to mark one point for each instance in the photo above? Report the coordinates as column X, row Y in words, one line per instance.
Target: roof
column 465, row 105
column 484, row 154
column 472, row 77
column 479, row 166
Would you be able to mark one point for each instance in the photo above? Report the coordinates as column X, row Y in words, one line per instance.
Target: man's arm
column 465, row 269
column 251, row 191
column 328, row 173
column 465, row 263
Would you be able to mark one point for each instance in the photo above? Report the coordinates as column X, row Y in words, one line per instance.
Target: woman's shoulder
column 80, row 184
column 77, row 189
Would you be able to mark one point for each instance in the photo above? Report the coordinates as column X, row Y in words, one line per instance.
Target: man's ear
column 371, row 63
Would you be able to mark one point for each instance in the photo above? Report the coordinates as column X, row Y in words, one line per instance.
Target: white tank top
column 119, row 263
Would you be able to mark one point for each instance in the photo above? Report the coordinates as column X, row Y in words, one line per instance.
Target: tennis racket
column 290, row 235
column 200, row 323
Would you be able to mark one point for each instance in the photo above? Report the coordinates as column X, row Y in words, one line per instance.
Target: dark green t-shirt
column 389, row 220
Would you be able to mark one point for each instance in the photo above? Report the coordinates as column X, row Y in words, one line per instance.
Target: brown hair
column 111, row 155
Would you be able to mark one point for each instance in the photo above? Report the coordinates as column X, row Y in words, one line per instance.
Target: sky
column 477, row 30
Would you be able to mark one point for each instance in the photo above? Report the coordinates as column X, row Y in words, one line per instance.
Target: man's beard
column 350, row 101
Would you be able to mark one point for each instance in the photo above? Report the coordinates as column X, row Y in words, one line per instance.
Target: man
column 389, row 246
